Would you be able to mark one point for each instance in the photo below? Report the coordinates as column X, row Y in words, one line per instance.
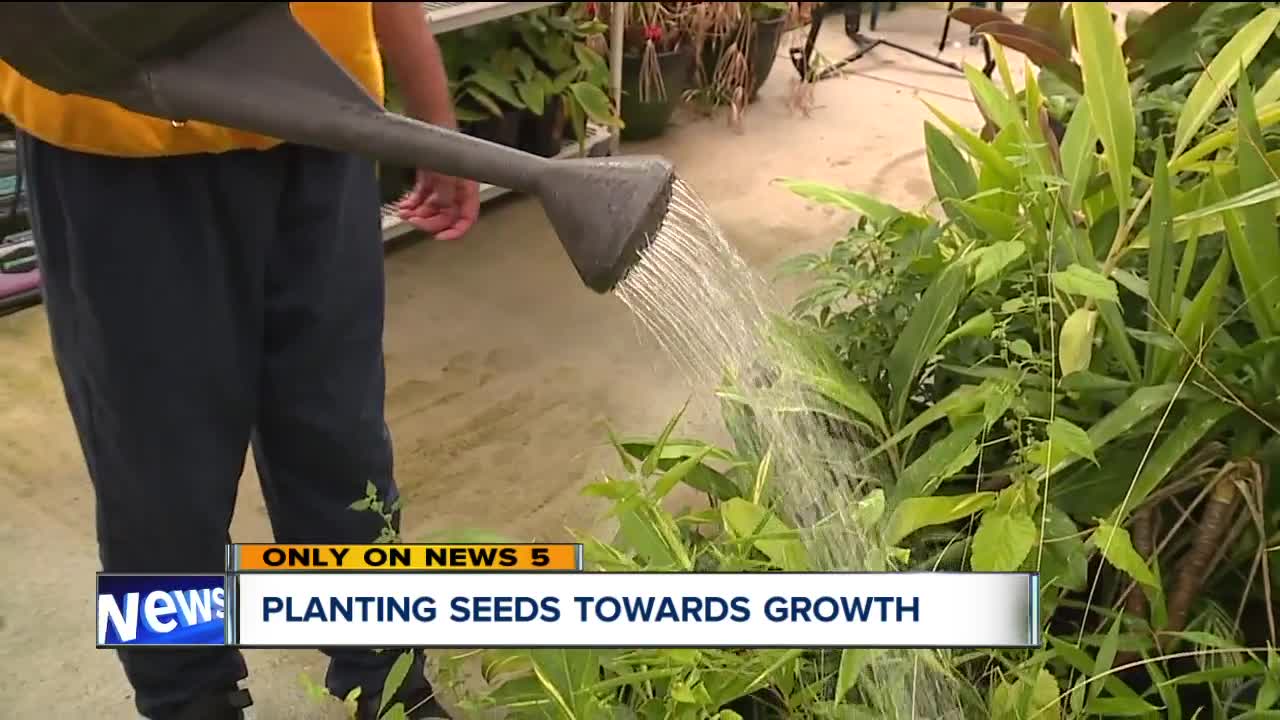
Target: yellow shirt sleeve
column 84, row 124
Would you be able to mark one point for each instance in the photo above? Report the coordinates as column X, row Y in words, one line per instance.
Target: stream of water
column 710, row 311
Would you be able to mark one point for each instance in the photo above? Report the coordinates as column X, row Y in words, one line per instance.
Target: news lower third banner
column 526, row 596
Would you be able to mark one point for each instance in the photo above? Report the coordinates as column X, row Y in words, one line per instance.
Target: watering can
column 250, row 66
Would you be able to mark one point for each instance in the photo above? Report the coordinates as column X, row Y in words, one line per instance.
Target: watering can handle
column 268, row 75
column 265, row 74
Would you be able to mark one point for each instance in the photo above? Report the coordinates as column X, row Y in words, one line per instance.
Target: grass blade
column 1160, row 268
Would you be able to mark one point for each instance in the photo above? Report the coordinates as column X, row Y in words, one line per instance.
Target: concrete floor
column 502, row 368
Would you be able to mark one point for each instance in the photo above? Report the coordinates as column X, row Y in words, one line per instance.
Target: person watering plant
column 208, row 290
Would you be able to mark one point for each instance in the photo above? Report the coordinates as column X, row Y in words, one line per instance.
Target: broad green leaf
column 1160, row 261
column 567, row 676
column 1003, row 541
column 1022, row 349
column 981, row 150
column 640, row 533
column 1117, row 547
column 916, row 513
column 1065, row 560
column 868, row 510
column 1207, row 94
column 989, row 261
column 1270, row 90
column 533, row 95
column 782, row 545
column 1026, row 700
column 669, row 479
column 994, row 104
column 1106, row 87
column 808, row 355
column 595, row 104
column 495, row 84
column 1075, row 345
column 1071, row 438
column 1000, row 226
column 1257, row 252
column 395, row 678
column 1185, row 435
column 953, row 176
column 1078, row 154
column 1076, row 280
column 852, row 660
column 940, row 461
column 926, row 327
column 979, row 325
column 965, row 400
column 878, row 212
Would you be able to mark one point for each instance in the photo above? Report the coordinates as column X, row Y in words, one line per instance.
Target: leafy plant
column 566, row 66
column 1061, row 382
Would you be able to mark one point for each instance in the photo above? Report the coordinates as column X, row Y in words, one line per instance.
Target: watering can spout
column 250, row 66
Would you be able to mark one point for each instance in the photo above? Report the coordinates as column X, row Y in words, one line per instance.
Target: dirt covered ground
column 503, row 369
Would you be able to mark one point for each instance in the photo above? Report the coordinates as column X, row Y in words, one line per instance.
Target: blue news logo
column 139, row 610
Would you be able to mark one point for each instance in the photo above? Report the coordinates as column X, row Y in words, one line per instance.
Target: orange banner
column 553, row 556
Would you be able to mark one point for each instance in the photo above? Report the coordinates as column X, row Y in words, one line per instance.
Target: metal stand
column 801, row 59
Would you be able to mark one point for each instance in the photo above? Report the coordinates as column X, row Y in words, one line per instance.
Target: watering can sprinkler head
column 606, row 212
column 250, row 66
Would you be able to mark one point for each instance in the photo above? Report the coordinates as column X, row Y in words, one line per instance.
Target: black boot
column 228, row 704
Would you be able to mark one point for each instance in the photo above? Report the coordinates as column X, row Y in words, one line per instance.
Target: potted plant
column 736, row 45
column 767, row 23
column 479, row 66
column 569, row 77
column 657, row 66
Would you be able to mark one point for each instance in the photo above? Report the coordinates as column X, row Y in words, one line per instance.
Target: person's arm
column 438, row 204
column 411, row 51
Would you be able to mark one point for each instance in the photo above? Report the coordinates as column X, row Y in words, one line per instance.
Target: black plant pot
column 765, row 41
column 544, row 134
column 648, row 118
column 764, row 51
column 504, row 130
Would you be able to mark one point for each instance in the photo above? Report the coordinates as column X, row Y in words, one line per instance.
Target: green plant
column 724, row 35
column 565, row 65
column 1164, row 53
column 1072, row 362
column 651, row 29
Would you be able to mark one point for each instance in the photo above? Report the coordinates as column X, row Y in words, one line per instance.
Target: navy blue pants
column 198, row 305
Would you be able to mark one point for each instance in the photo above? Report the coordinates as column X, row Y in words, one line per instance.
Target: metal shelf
column 447, row 16
column 597, row 144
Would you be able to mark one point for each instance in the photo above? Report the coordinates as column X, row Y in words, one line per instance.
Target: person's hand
column 444, row 206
